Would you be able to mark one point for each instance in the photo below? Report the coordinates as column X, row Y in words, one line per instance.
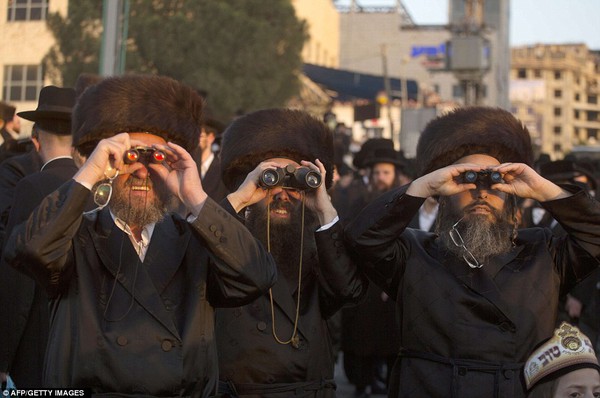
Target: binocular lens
column 496, row 177
column 131, row 156
column 313, row 180
column 470, row 176
column 269, row 178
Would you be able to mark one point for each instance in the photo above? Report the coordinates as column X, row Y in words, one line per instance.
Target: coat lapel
column 481, row 280
column 118, row 256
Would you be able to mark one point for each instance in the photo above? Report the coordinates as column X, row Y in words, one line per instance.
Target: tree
column 245, row 54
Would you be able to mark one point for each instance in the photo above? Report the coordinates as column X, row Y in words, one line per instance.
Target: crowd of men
column 149, row 250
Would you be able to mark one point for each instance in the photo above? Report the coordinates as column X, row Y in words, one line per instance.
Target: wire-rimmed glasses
column 103, row 191
column 459, row 242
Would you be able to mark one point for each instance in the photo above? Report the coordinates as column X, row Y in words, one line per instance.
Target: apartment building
column 554, row 90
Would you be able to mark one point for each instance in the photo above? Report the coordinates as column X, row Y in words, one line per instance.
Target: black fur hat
column 273, row 133
column 137, row 103
column 473, row 130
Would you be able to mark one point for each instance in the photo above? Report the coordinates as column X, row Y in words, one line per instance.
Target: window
column 577, row 96
column 557, row 111
column 557, row 148
column 557, row 93
column 576, row 113
column 557, row 75
column 592, row 133
column 22, row 82
column 27, row 10
column 557, row 130
column 457, row 91
column 537, row 73
column 522, row 73
column 592, row 116
column 592, row 99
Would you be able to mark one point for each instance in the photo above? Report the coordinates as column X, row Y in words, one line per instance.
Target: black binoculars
column 301, row 178
column 146, row 154
column 484, row 178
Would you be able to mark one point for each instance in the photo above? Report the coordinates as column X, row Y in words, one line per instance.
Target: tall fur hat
column 473, row 130
column 137, row 103
column 273, row 133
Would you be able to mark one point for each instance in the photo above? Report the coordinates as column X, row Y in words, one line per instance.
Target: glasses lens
column 456, row 238
column 471, row 260
column 103, row 194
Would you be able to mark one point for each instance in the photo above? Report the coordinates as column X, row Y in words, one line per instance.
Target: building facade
column 554, row 90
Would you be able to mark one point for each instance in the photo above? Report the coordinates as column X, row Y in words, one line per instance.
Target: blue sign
column 429, row 51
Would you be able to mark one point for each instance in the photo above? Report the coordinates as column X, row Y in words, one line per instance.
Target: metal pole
column 111, row 10
column 388, row 90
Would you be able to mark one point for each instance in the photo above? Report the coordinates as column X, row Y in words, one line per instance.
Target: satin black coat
column 466, row 332
column 249, row 355
column 119, row 325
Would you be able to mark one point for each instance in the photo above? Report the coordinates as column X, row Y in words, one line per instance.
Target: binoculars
column 301, row 178
column 483, row 178
column 146, row 154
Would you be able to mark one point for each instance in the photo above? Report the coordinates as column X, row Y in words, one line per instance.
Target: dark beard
column 483, row 238
column 140, row 212
column 286, row 238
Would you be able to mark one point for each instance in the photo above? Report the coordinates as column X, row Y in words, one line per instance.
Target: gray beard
column 483, row 238
column 141, row 213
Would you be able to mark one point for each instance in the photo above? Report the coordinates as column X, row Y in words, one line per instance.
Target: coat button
column 261, row 326
column 218, row 234
column 166, row 345
column 462, row 371
column 122, row 340
column 508, row 374
column 335, row 235
column 212, row 228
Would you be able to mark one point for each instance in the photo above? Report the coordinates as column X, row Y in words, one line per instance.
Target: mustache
column 138, row 182
column 479, row 203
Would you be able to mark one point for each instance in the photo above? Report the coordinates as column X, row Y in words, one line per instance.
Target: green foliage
column 244, row 53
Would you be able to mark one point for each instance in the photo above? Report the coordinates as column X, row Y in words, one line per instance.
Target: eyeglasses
column 104, row 192
column 459, row 242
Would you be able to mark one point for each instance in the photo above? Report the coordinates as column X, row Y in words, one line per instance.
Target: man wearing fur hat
column 132, row 286
column 475, row 297
column 280, row 346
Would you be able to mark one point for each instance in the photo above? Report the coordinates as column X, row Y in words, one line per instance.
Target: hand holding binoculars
column 301, row 178
column 483, row 178
column 144, row 154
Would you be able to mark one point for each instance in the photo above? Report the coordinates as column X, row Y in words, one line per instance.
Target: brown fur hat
column 137, row 103
column 273, row 133
column 473, row 130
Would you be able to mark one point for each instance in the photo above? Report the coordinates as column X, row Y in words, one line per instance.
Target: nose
column 479, row 193
column 141, row 173
column 282, row 195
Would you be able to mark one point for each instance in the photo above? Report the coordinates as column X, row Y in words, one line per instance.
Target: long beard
column 286, row 237
column 483, row 237
column 136, row 211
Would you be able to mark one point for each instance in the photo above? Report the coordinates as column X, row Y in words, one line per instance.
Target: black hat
column 473, row 130
column 368, row 148
column 54, row 109
column 560, row 171
column 7, row 111
column 137, row 103
column 384, row 155
column 271, row 133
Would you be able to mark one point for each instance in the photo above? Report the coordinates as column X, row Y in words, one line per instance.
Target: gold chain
column 294, row 339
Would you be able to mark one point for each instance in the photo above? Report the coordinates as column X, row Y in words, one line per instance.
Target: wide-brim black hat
column 473, row 130
column 367, row 149
column 156, row 105
column 383, row 155
column 274, row 133
column 54, row 103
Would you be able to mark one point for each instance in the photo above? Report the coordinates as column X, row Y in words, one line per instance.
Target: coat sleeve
column 340, row 281
column 375, row 235
column 578, row 253
column 242, row 269
column 41, row 245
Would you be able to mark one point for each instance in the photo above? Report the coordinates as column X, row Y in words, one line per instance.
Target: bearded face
column 138, row 201
column 284, row 225
column 485, row 235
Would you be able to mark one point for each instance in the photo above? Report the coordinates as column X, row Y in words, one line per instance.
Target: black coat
column 249, row 355
column 466, row 332
column 24, row 309
column 119, row 325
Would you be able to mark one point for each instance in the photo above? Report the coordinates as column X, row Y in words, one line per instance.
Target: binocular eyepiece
column 147, row 154
column 485, row 178
column 301, row 178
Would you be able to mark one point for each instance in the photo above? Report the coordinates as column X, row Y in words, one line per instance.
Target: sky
column 531, row 21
